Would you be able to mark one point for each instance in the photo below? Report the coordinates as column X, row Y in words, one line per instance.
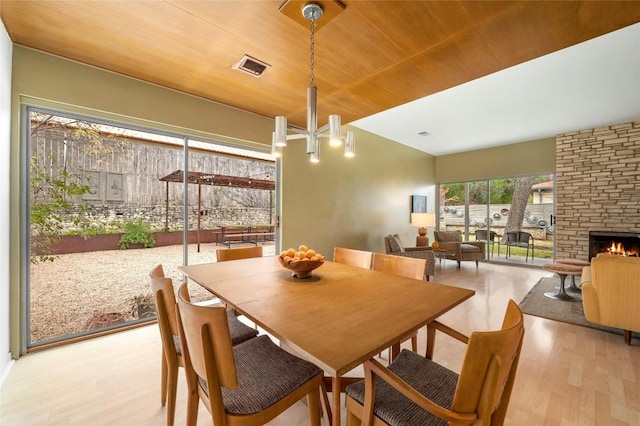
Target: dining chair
column 347, row 256
column 247, row 384
column 418, row 391
column 172, row 358
column 238, row 253
column 409, row 267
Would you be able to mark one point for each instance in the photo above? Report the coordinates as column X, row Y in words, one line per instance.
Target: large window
column 494, row 210
column 107, row 202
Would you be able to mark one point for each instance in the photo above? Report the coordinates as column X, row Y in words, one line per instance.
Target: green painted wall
column 353, row 202
column 534, row 157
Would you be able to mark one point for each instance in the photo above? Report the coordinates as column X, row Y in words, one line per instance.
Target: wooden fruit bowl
column 301, row 268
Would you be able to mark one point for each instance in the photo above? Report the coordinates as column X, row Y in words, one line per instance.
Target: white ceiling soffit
column 591, row 84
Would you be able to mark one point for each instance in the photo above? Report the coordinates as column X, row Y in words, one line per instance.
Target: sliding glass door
column 504, row 213
column 106, row 202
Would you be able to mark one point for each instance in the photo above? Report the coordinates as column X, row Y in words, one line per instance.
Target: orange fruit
column 303, row 247
column 311, row 253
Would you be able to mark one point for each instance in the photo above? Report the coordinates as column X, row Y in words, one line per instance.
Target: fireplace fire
column 619, row 243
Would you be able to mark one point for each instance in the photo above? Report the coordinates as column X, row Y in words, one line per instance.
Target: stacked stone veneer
column 598, row 185
column 108, row 216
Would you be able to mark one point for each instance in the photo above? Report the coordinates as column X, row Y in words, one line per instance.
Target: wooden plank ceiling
column 371, row 56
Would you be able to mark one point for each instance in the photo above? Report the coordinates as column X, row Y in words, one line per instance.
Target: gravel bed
column 80, row 289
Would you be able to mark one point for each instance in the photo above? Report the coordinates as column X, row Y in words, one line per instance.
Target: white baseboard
column 5, row 368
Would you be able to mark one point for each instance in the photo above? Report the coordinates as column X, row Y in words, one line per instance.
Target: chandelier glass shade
column 312, row 133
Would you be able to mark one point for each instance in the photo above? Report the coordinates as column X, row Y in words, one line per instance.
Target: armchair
column 393, row 245
column 451, row 245
column 414, row 390
column 611, row 292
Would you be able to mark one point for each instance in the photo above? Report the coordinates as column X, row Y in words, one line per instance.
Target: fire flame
column 616, row 248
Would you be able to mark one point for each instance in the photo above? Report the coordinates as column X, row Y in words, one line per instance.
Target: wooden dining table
column 338, row 318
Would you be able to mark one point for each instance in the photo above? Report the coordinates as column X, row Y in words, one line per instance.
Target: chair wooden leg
column 172, row 391
column 325, row 403
column 476, row 263
column 627, row 337
column 163, row 386
column 414, row 343
column 313, row 400
column 193, row 400
column 458, row 264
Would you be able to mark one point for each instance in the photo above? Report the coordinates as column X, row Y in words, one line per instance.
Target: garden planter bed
column 77, row 244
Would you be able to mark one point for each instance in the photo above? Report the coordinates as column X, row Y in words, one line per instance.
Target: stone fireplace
column 597, row 175
column 620, row 243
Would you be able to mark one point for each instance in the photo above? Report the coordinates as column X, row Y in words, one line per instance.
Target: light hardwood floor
column 568, row 375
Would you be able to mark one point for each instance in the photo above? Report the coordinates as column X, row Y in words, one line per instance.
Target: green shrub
column 137, row 231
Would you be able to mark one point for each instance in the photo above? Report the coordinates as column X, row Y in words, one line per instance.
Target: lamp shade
column 423, row 220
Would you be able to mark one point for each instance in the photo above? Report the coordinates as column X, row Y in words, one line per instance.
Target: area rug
column 535, row 303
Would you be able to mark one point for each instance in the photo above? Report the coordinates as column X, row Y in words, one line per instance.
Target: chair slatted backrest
column 238, row 253
column 206, row 334
column 409, row 267
column 359, row 258
column 489, row 368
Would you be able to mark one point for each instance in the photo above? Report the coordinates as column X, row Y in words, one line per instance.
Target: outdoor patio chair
column 489, row 237
column 414, row 390
column 172, row 356
column 247, row 384
column 520, row 239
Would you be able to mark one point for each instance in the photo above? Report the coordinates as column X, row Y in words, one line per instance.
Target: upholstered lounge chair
column 611, row 292
column 394, row 246
column 451, row 245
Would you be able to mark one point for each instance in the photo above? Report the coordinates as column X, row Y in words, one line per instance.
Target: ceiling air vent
column 251, row 66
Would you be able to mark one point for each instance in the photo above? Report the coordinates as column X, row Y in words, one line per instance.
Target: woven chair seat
column 427, row 377
column 266, row 374
column 239, row 331
column 469, row 248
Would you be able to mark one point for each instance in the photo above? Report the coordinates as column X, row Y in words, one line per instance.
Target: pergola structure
column 200, row 178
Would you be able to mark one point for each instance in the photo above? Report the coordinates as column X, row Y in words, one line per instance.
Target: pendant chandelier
column 313, row 134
